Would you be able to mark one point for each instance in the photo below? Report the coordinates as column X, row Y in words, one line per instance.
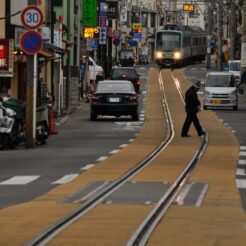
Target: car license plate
column 114, row 99
column 216, row 101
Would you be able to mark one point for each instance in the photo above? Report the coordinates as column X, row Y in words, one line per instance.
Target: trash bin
column 18, row 106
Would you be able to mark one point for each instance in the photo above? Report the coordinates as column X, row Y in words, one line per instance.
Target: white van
column 234, row 67
column 220, row 90
column 96, row 71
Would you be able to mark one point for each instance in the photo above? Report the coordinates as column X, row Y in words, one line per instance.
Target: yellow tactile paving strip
column 220, row 220
column 113, row 224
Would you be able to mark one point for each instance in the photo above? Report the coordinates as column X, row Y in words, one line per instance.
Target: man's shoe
column 185, row 135
column 201, row 134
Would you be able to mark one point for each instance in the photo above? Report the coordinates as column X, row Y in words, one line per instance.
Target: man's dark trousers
column 191, row 117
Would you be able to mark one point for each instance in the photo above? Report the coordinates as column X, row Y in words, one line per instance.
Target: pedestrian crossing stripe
column 20, row 180
column 66, row 179
column 241, row 183
column 242, row 147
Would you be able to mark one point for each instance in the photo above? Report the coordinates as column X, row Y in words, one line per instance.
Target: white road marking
column 88, row 166
column 242, row 153
column 114, row 151
column 242, row 147
column 202, row 195
column 241, row 183
column 241, row 171
column 19, row 180
column 123, row 146
column 66, row 178
column 242, row 162
column 102, row 158
column 181, row 196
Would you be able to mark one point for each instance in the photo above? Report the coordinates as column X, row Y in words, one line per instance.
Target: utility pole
column 243, row 49
column 232, row 30
column 209, row 31
column 219, row 36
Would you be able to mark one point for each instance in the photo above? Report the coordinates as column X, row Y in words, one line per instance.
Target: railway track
column 141, row 235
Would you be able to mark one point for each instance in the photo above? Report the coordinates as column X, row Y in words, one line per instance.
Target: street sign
column 116, row 33
column 32, row 17
column 103, row 35
column 31, row 42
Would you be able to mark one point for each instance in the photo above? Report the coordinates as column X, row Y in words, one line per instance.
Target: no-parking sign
column 31, row 17
column 31, row 42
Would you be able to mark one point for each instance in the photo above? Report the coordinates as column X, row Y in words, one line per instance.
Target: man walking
column 192, row 106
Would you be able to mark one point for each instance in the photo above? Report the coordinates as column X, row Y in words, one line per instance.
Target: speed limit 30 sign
column 31, row 17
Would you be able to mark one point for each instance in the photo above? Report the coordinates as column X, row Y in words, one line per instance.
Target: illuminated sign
column 188, row 7
column 90, row 32
column 136, row 26
column 6, row 57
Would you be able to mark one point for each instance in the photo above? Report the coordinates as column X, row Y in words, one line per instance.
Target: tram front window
column 168, row 41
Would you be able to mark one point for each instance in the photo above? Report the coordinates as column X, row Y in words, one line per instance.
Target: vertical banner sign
column 103, row 23
column 89, row 12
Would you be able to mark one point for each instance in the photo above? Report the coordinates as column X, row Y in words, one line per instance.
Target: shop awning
column 46, row 53
column 51, row 47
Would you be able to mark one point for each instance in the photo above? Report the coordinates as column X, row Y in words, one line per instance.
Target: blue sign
column 138, row 35
column 31, row 42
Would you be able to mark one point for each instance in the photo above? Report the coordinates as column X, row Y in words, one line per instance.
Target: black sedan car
column 114, row 97
column 126, row 73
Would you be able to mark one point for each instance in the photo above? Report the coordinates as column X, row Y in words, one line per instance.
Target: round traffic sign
column 31, row 42
column 31, row 17
column 116, row 33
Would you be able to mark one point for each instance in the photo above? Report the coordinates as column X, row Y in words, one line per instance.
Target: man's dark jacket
column 192, row 102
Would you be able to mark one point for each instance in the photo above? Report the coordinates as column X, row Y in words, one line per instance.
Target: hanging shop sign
column 112, row 10
column 90, row 13
column 90, row 32
column 6, row 58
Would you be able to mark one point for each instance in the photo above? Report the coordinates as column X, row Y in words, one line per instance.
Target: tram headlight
column 177, row 55
column 158, row 54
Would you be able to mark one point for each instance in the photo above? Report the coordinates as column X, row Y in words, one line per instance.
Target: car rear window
column 114, row 88
column 124, row 73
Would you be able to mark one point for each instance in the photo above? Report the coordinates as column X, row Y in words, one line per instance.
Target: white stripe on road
column 242, row 162
column 19, row 180
column 102, row 158
column 66, row 179
column 241, row 171
column 88, row 166
column 242, row 153
column 114, row 151
column 242, row 147
column 241, row 183
column 180, row 198
column 202, row 195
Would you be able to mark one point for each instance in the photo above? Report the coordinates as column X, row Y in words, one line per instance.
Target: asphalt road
column 80, row 144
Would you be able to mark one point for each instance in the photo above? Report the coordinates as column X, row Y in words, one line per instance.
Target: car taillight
column 138, row 82
column 133, row 98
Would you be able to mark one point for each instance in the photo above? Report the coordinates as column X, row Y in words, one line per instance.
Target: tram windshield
column 168, row 41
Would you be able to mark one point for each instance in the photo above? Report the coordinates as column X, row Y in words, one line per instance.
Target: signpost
column 31, row 17
column 31, row 43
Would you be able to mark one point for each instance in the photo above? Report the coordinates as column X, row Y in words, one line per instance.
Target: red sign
column 4, row 54
column 32, row 17
column 31, row 42
column 6, row 57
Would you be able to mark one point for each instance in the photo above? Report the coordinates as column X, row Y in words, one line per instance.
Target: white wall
column 15, row 7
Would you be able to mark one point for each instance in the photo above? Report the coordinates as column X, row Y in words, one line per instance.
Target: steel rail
column 55, row 229
column 144, row 230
